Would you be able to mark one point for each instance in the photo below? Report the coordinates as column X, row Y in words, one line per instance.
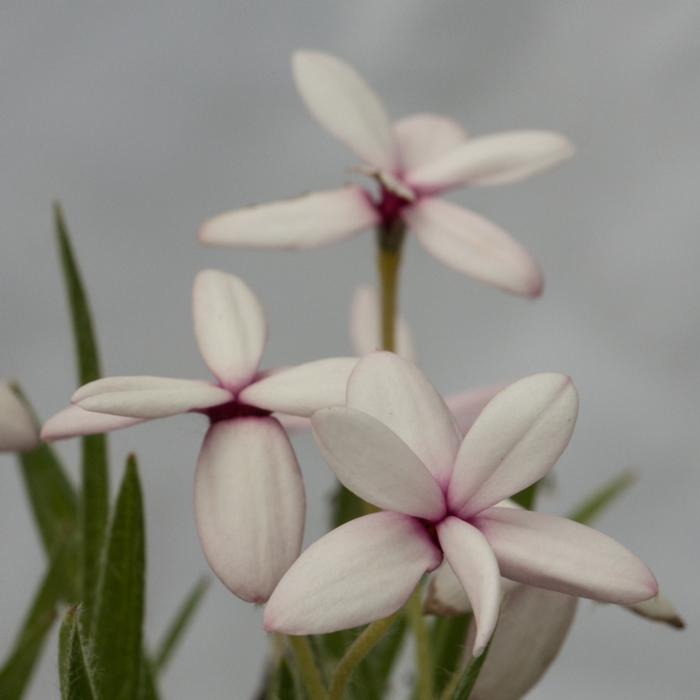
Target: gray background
column 145, row 118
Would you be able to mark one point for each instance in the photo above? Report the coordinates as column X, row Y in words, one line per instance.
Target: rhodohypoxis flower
column 415, row 160
column 395, row 445
column 18, row 430
column 249, row 495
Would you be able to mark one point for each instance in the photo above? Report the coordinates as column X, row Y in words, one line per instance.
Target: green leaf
column 17, row 670
column 448, row 636
column 95, row 476
column 345, row 506
column 178, row 626
column 118, row 619
column 526, row 497
column 371, row 677
column 147, row 683
column 281, row 684
column 469, row 677
column 587, row 511
column 75, row 672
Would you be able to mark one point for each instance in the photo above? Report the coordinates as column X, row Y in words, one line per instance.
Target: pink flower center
column 234, row 409
column 390, row 206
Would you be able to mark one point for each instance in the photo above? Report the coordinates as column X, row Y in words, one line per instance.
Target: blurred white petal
column 18, row 429
column 75, row 422
column 422, row 138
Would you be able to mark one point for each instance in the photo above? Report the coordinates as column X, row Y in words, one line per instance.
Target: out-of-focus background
column 146, row 119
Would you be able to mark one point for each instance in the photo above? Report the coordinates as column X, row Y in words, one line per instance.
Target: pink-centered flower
column 395, row 444
column 18, row 429
column 415, row 160
column 249, row 494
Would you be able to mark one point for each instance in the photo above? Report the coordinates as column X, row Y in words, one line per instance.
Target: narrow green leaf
column 345, row 506
column 75, row 672
column 118, row 619
column 526, row 497
column 448, row 636
column 178, row 626
column 593, row 506
column 469, row 677
column 281, row 684
column 17, row 670
column 147, row 685
column 95, row 476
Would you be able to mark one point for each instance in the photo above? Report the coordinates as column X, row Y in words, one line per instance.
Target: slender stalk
column 414, row 611
column 357, row 651
column 307, row 667
column 461, row 686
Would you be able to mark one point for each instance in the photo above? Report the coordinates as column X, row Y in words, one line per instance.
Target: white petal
column 75, row 421
column 148, row 397
column 374, row 463
column 531, row 630
column 304, row 389
column 303, row 222
column 467, row 406
column 360, row 572
column 474, row 564
column 249, row 504
column 424, row 137
column 396, row 393
column 660, row 609
column 561, row 555
column 514, row 442
column 293, row 424
column 18, row 429
column 230, row 326
column 474, row 246
column 493, row 160
column 446, row 596
column 346, row 106
column 365, row 326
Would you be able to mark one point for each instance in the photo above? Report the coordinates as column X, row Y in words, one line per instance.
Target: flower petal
column 561, row 555
column 514, row 442
column 474, row 564
column 249, row 504
column 467, row 406
column 300, row 223
column 365, row 326
column 423, row 138
column 474, row 246
column 374, row 463
column 660, row 609
column 531, row 630
column 18, row 429
column 230, row 326
column 148, row 397
column 345, row 105
column 360, row 572
column 75, row 421
column 493, row 160
column 304, row 389
column 293, row 424
column 395, row 392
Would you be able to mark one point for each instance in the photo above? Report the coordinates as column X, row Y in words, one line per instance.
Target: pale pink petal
column 396, row 393
column 446, row 596
column 360, row 572
column 493, row 160
column 424, row 137
column 561, row 555
column 531, row 630
column 303, row 222
column 374, row 463
column 365, row 326
column 249, row 504
column 467, row 406
column 18, row 429
column 303, row 389
column 75, row 421
column 230, row 326
column 660, row 609
column 293, row 424
column 148, row 397
column 345, row 105
column 514, row 442
column 474, row 246
column 474, row 564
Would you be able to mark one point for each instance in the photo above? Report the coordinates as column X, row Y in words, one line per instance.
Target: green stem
column 389, row 246
column 307, row 666
column 357, row 651
column 414, row 611
column 462, row 685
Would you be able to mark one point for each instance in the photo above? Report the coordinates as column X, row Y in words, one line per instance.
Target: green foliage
column 178, row 626
column 593, row 506
column 469, row 677
column 75, row 672
column 447, row 642
column 95, row 474
column 345, row 506
column 117, row 622
column 526, row 498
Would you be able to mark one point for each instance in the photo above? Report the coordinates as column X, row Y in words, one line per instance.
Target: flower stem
column 307, row 666
column 357, row 651
column 389, row 244
column 414, row 611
